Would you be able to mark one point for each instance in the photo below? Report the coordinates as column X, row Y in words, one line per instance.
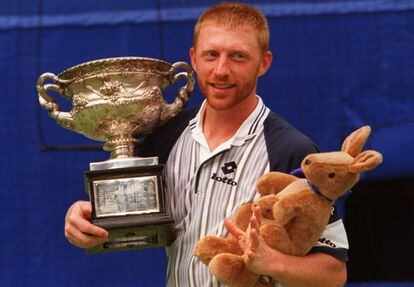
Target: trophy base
column 129, row 202
column 123, row 163
column 150, row 236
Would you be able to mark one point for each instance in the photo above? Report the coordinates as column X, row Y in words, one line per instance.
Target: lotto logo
column 327, row 242
column 229, row 167
column 223, row 179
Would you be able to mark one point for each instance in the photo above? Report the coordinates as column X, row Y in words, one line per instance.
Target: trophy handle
column 171, row 110
column 47, row 102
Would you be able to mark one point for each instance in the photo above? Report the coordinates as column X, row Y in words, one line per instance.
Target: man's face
column 228, row 63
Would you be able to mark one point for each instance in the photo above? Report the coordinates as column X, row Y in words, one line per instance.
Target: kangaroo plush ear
column 354, row 143
column 365, row 161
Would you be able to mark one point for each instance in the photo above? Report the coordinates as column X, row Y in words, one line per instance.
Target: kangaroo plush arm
column 274, row 182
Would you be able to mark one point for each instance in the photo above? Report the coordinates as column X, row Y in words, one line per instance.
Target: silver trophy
column 116, row 101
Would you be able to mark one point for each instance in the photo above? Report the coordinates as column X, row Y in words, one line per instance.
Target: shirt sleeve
column 333, row 240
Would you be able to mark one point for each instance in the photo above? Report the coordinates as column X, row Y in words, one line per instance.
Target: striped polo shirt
column 203, row 187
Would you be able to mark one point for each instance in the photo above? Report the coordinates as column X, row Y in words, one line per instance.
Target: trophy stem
column 121, row 148
column 122, row 151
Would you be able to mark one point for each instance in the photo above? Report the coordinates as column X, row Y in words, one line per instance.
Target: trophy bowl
column 118, row 100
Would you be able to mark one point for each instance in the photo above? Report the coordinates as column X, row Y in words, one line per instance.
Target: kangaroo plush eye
column 331, row 175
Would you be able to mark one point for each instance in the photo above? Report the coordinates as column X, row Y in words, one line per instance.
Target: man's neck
column 221, row 125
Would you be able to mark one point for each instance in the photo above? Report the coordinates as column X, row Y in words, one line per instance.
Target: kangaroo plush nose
column 307, row 162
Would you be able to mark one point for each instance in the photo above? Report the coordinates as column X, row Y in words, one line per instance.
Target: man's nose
column 222, row 69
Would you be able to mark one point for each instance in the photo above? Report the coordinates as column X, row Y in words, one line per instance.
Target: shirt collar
column 250, row 127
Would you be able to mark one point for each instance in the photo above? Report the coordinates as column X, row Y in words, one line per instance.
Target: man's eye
column 239, row 56
column 211, row 55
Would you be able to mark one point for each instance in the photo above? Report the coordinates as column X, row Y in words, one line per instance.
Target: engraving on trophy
column 79, row 102
column 137, row 195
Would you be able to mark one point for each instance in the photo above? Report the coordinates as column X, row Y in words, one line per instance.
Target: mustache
column 220, row 80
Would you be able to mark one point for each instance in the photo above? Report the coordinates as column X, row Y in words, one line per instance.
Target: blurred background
column 338, row 65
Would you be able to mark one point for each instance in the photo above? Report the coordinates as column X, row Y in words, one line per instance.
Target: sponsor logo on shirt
column 327, row 242
column 227, row 169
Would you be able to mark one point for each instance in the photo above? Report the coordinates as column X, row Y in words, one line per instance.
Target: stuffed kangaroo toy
column 294, row 210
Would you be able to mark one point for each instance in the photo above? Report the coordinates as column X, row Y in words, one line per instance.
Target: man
column 214, row 156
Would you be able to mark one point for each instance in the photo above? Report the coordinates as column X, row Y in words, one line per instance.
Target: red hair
column 234, row 15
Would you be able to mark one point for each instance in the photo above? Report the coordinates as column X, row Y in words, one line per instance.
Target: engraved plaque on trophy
column 118, row 100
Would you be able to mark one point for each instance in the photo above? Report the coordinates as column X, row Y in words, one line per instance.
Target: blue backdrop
column 338, row 65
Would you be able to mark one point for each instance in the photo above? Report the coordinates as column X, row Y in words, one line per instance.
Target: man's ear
column 193, row 58
column 265, row 63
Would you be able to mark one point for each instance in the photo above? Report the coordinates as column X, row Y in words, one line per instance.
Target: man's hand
column 317, row 270
column 258, row 256
column 237, row 232
column 78, row 230
column 244, row 238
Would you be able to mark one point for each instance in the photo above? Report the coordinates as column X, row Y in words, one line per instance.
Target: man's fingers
column 258, row 215
column 86, row 208
column 233, row 229
column 254, row 223
column 88, row 228
column 71, row 239
column 254, row 240
column 80, row 209
column 78, row 230
column 256, row 218
column 82, row 240
column 77, row 217
column 84, row 226
column 249, row 255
